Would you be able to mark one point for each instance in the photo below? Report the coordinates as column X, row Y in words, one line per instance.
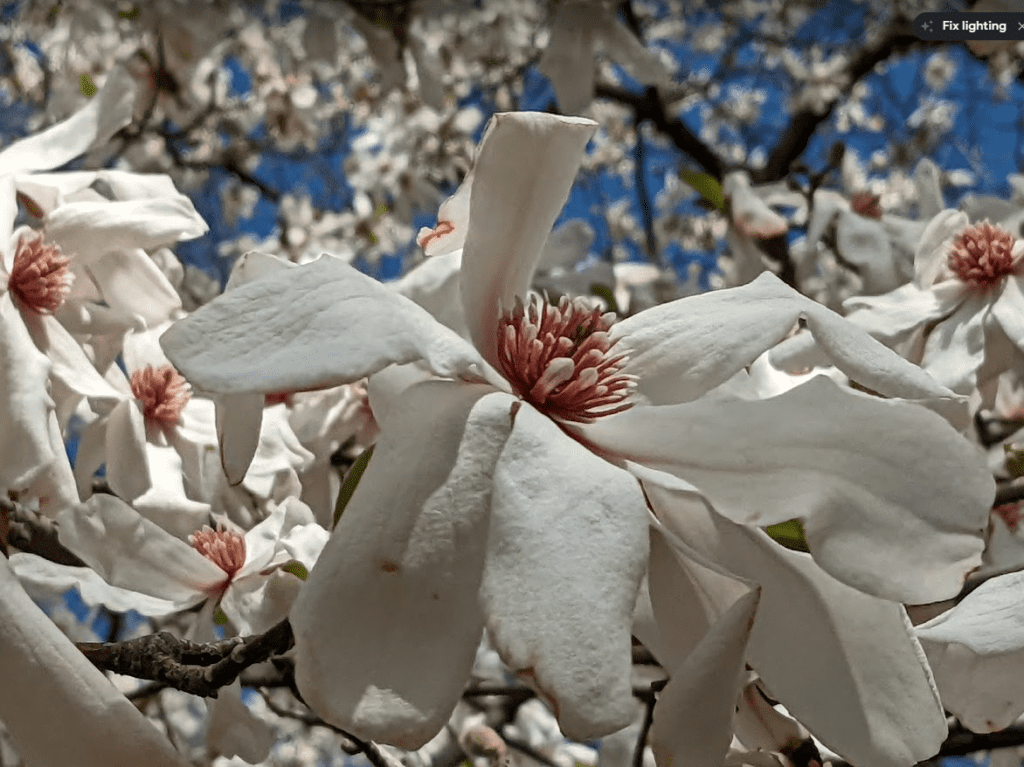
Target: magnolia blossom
column 505, row 488
column 962, row 318
column 135, row 565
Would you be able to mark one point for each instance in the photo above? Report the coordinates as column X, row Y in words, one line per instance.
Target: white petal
column 127, row 462
column 452, row 223
column 932, row 249
column 839, row 461
column 315, row 326
column 567, row 551
column 750, row 214
column 812, row 633
column 976, row 651
column 568, row 60
column 70, row 364
column 865, row 244
column 108, row 112
column 234, row 731
column 253, row 265
column 131, row 282
column 239, row 417
column 1008, row 310
column 388, row 623
column 525, row 168
column 435, row 286
column 87, row 230
column 693, row 720
column 40, row 576
column 129, row 551
column 24, row 401
column 255, row 604
column 955, row 348
column 44, row 678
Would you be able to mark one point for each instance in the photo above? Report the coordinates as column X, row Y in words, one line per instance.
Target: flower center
column 866, row 204
column 225, row 548
column 40, row 277
column 982, row 254
column 163, row 392
column 561, row 359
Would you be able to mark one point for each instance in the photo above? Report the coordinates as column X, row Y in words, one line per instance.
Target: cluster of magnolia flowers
column 548, row 483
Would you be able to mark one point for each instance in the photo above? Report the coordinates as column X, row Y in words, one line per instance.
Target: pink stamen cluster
column 560, row 359
column 982, row 254
column 225, row 548
column 40, row 278
column 866, row 204
column 164, row 392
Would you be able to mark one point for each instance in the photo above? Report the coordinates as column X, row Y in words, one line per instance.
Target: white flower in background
column 478, row 508
column 962, row 318
column 132, row 564
column 578, row 30
column 750, row 220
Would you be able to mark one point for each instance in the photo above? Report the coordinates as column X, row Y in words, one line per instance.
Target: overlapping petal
column 839, row 461
column 339, row 326
column 388, row 623
column 44, row 678
column 526, row 166
column 844, row 663
column 567, row 550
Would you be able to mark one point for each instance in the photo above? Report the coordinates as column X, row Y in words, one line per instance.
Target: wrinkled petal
column 812, row 633
column 108, row 112
column 45, row 678
column 315, row 326
column 526, row 166
column 131, row 552
column 24, row 402
column 955, row 349
column 838, row 460
column 683, row 349
column 693, row 721
column 566, row 554
column 893, row 317
column 976, row 651
column 388, row 623
column 40, row 576
column 88, row 230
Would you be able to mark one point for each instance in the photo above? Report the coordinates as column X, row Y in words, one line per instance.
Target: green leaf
column 1014, row 461
column 605, row 293
column 297, row 569
column 708, row 187
column 87, row 86
column 220, row 618
column 790, row 534
column 348, row 486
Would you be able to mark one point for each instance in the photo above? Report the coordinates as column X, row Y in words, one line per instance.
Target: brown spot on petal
column 866, row 204
column 389, row 567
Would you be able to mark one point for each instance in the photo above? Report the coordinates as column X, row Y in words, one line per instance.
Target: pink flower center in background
column 982, row 254
column 560, row 359
column 225, row 548
column 866, row 204
column 164, row 392
column 40, row 277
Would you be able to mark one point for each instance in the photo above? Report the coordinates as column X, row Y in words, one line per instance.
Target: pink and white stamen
column 163, row 391
column 225, row 548
column 562, row 360
column 982, row 254
column 40, row 278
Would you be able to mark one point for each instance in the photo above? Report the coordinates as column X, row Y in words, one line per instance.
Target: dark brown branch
column 648, row 106
column 200, row 669
column 805, row 122
column 33, row 534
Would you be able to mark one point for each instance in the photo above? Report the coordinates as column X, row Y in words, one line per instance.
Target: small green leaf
column 297, row 569
column 348, row 486
column 220, row 618
column 790, row 534
column 605, row 293
column 1014, row 461
column 87, row 86
column 708, row 187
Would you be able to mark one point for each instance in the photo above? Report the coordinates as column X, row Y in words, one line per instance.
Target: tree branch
column 200, row 669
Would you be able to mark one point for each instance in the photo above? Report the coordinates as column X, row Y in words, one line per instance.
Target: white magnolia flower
column 132, row 564
column 962, row 318
column 505, row 490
